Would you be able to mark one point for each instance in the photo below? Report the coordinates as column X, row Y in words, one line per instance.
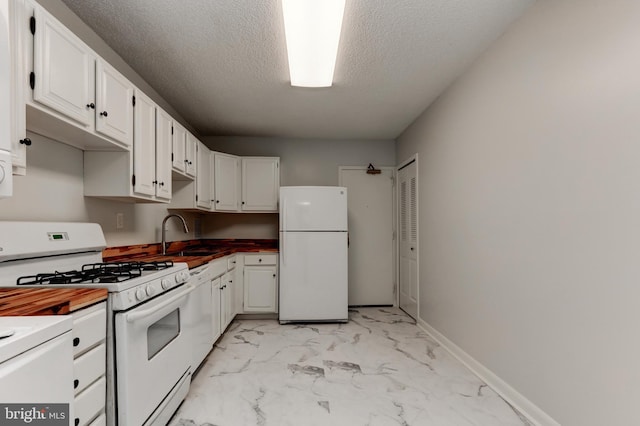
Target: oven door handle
column 135, row 316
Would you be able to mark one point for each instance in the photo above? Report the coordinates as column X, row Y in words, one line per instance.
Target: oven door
column 152, row 354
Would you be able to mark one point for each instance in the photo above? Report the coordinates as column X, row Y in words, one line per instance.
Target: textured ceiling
column 222, row 64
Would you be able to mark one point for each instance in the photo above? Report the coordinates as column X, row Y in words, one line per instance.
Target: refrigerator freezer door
column 313, row 276
column 313, row 208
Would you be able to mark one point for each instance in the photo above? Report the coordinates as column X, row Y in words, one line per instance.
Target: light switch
column 119, row 220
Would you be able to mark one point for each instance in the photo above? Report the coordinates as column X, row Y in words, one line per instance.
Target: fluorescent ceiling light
column 312, row 29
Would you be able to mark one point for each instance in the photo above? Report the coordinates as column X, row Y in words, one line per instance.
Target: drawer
column 218, row 267
column 231, row 263
column 88, row 367
column 88, row 329
column 90, row 402
column 260, row 259
column 100, row 421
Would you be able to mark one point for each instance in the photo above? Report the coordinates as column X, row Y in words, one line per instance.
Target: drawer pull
column 76, row 341
column 259, row 260
column 76, row 382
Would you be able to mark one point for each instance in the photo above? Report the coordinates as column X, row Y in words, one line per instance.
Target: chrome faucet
column 164, row 230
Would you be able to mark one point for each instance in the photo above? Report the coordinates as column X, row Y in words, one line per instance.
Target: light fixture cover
column 312, row 29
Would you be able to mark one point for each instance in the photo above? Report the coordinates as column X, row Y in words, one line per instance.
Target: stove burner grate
column 96, row 273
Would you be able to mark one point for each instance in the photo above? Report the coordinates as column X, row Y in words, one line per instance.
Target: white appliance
column 148, row 345
column 36, row 366
column 200, row 310
column 6, row 177
column 313, row 254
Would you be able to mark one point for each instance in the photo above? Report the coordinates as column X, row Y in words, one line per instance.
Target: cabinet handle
column 243, row 203
column 91, row 105
column 76, row 382
column 411, row 248
column 230, row 282
column 186, row 161
column 76, row 341
column 155, row 182
column 259, row 260
column 76, row 422
column 217, row 201
column 274, row 275
column 25, row 141
column 161, row 183
column 104, row 113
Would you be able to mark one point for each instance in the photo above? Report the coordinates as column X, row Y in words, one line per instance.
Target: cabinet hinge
column 133, row 180
column 133, row 100
column 196, row 197
column 172, row 133
column 32, row 24
column 172, row 156
column 32, row 80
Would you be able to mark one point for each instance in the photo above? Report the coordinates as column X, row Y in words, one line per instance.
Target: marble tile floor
column 377, row 369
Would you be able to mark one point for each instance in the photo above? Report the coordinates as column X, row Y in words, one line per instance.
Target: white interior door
column 371, row 246
column 408, row 215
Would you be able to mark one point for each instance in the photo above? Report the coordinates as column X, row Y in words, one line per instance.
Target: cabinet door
column 144, row 146
column 179, row 143
column 260, row 183
column 215, row 306
column 18, row 84
column 114, row 104
column 164, row 140
column 223, row 303
column 191, row 149
column 226, row 181
column 260, row 288
column 64, row 70
column 203, row 178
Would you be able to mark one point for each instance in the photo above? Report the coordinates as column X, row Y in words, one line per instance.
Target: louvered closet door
column 408, row 199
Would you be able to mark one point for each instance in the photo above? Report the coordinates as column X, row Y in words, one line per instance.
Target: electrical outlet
column 119, row 220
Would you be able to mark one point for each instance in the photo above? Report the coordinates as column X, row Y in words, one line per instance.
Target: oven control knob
column 140, row 294
column 150, row 290
column 165, row 283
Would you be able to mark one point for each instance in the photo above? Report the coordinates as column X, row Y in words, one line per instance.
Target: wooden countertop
column 47, row 301
column 207, row 250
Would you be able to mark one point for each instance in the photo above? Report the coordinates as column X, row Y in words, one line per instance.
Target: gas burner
column 68, row 277
column 121, row 267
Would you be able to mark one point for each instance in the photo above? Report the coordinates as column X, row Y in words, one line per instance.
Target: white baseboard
column 531, row 411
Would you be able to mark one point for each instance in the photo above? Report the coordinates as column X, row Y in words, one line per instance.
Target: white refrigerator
column 313, row 254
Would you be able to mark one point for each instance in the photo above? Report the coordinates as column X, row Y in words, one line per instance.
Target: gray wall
column 302, row 162
column 529, row 187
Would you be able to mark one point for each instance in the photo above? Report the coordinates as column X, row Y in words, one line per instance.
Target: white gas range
column 148, row 348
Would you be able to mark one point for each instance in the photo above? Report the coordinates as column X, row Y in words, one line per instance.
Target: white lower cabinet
column 260, row 283
column 89, row 351
column 215, row 306
column 223, row 294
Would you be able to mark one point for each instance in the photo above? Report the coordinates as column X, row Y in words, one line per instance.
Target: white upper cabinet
column 19, row 77
column 64, row 70
column 226, row 179
column 260, row 183
column 190, row 153
column 164, row 143
column 203, row 178
column 144, row 146
column 179, row 143
column 114, row 104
